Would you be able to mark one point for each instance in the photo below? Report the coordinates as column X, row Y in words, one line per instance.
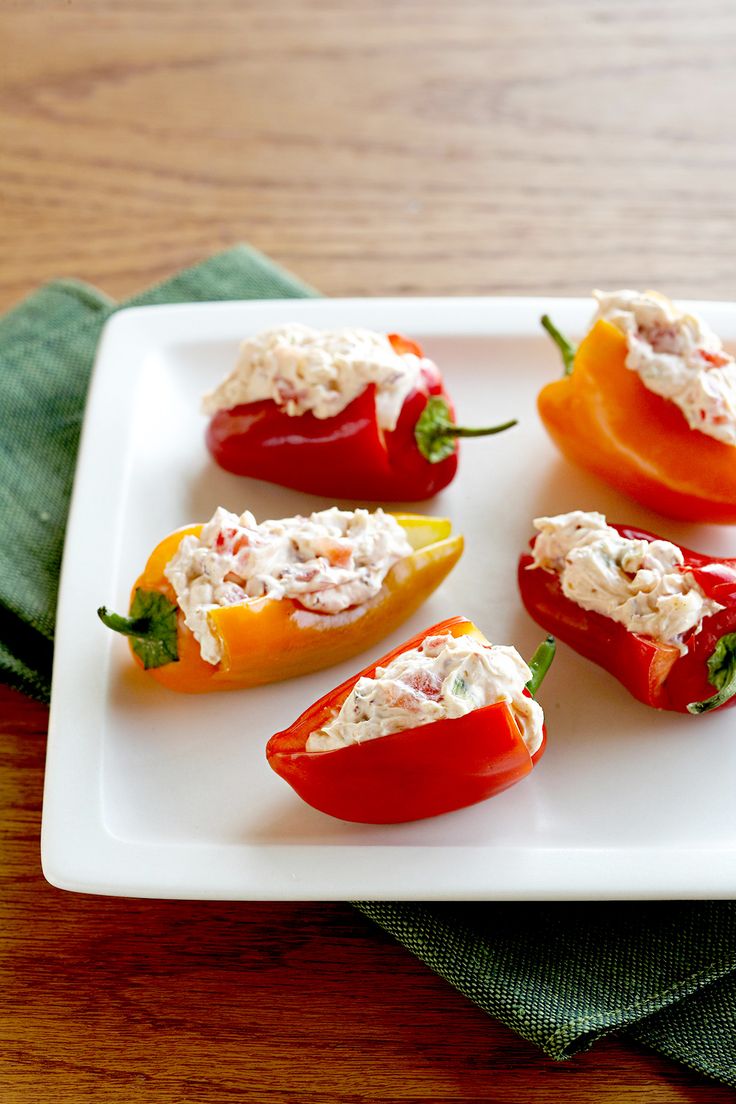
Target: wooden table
column 386, row 147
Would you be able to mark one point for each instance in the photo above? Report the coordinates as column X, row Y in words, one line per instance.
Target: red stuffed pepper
column 443, row 721
column 343, row 414
column 659, row 617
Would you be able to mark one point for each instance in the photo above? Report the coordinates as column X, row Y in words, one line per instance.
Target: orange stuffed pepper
column 234, row 603
column 648, row 404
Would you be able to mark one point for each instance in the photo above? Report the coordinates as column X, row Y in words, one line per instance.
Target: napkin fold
column 561, row 975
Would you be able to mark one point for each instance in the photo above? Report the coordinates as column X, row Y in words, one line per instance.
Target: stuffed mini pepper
column 648, row 403
column 235, row 603
column 443, row 721
column 660, row 618
column 340, row 413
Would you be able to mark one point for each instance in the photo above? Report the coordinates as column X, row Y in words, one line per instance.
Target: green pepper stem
column 152, row 624
column 451, row 430
column 540, row 663
column 725, row 693
column 128, row 626
column 567, row 349
column 721, row 667
column 435, row 431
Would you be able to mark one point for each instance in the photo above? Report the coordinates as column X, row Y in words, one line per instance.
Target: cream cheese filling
column 638, row 583
column 327, row 562
column 445, row 677
column 321, row 371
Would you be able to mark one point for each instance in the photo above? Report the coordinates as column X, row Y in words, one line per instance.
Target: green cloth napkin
column 561, row 975
column 47, row 347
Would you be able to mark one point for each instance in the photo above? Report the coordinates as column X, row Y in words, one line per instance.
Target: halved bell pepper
column 603, row 418
column 420, row 772
column 702, row 679
column 267, row 639
column 349, row 455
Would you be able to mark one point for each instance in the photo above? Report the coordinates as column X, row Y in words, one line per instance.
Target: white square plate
column 150, row 793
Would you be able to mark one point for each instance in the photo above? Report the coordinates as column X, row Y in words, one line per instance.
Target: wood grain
column 387, row 146
column 392, row 146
